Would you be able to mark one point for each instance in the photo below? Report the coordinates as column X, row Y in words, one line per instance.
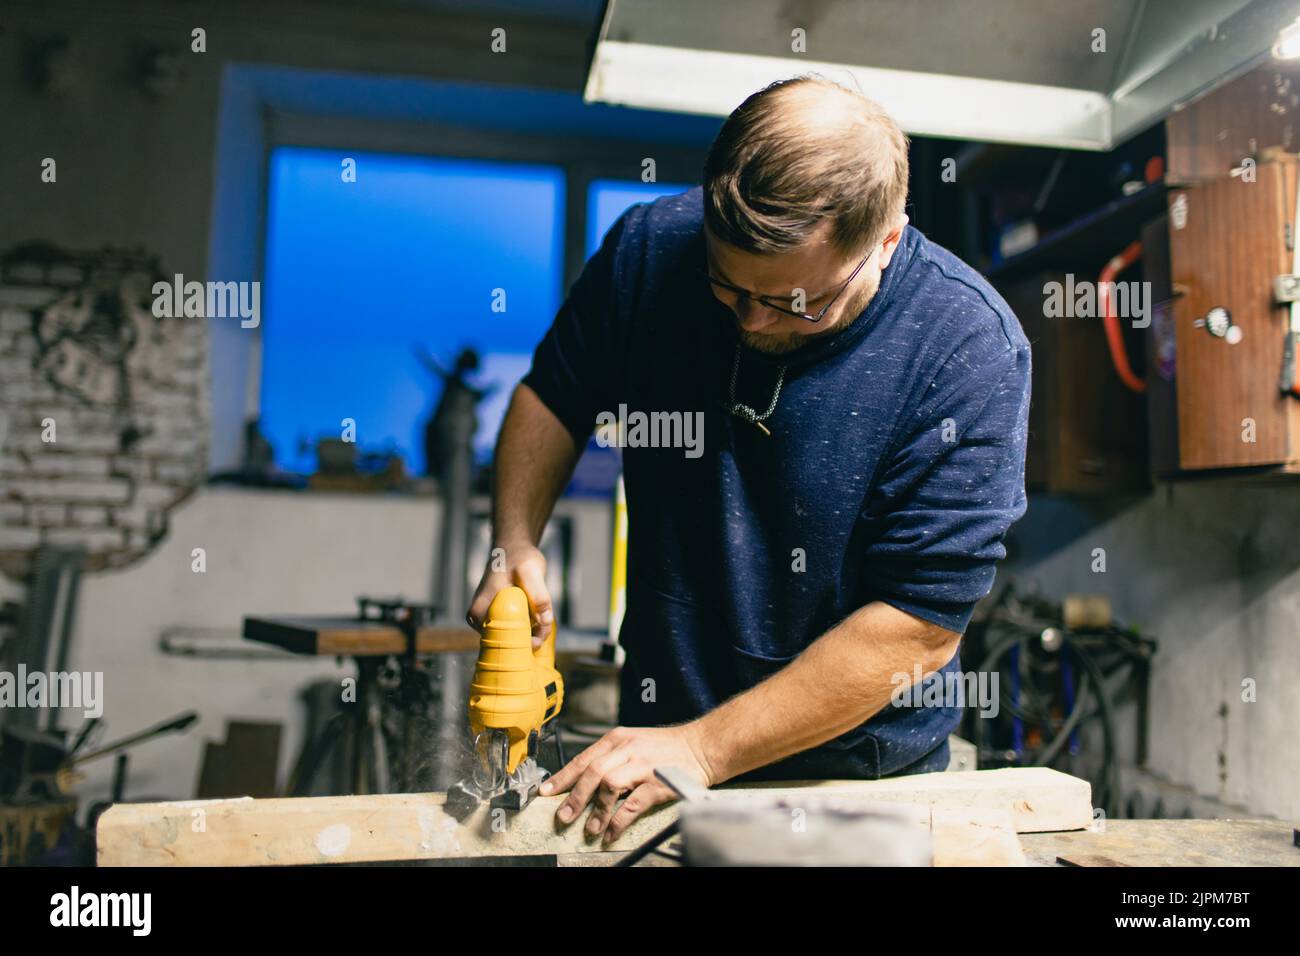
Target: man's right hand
column 522, row 565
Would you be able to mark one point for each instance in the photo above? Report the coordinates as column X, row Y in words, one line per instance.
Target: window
column 359, row 275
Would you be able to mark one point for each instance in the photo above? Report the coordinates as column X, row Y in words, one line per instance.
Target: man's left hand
column 622, row 764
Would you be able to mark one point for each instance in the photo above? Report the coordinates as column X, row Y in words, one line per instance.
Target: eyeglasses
column 745, row 294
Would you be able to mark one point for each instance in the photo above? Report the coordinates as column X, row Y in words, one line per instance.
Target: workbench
column 1124, row 843
column 1012, row 816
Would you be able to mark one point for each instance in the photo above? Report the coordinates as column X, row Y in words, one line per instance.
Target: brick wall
column 125, row 392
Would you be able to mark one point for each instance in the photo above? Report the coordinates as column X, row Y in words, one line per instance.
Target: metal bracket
column 1286, row 289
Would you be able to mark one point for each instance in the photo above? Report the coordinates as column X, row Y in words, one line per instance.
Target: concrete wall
column 1212, row 571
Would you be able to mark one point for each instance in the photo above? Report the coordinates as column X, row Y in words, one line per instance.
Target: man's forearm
column 842, row 679
column 535, row 456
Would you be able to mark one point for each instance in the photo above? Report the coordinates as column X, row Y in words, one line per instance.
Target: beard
column 844, row 315
column 772, row 344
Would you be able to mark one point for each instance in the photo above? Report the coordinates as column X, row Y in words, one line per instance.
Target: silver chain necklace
column 744, row 411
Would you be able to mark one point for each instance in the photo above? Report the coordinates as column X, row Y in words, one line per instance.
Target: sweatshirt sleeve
column 575, row 366
column 954, row 485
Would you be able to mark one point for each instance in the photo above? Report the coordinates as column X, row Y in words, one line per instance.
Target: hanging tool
column 516, row 692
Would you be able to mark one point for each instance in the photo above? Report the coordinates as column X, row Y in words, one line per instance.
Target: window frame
column 599, row 159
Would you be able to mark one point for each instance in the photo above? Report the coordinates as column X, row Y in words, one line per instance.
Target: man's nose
column 753, row 316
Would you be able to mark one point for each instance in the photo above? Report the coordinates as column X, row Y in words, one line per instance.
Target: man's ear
column 891, row 241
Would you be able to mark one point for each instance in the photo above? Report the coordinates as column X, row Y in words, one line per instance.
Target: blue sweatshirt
column 894, row 467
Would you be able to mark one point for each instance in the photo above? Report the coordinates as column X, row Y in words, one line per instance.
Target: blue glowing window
column 413, row 254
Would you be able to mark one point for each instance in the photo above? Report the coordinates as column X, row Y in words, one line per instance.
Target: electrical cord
column 1092, row 683
column 1050, row 752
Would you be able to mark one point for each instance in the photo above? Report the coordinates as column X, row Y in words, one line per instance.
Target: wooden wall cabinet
column 1087, row 432
column 1228, row 239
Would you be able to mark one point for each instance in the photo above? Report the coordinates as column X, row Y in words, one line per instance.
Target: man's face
column 817, row 268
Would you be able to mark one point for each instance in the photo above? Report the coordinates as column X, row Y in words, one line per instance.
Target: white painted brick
column 18, row 539
column 135, row 516
column 28, row 390
column 88, row 516
column 103, row 420
column 180, row 473
column 138, row 469
column 175, row 447
column 16, row 320
column 66, row 275
column 83, row 488
column 45, row 391
column 175, row 402
column 63, row 415
column 110, row 490
column 27, row 274
column 86, row 442
column 27, row 296
column 137, row 541
column 93, row 541
column 186, row 375
column 20, row 346
column 47, row 515
column 16, row 368
column 155, row 496
column 190, row 351
column 59, row 464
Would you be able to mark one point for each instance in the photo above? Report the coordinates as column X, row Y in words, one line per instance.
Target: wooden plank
column 332, row 636
column 352, row 829
column 1039, row 798
column 958, row 837
column 392, row 827
column 970, row 836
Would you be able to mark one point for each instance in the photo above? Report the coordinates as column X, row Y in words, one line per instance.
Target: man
column 864, row 397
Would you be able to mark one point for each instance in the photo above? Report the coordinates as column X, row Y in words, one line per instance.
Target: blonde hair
column 801, row 152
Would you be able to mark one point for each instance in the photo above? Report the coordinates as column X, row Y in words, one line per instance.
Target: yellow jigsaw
column 515, row 693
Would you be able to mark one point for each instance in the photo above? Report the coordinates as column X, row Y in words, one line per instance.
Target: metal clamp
column 1286, row 289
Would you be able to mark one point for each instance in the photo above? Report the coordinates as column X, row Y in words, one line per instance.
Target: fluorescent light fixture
column 1073, row 76
column 1287, row 46
column 928, row 104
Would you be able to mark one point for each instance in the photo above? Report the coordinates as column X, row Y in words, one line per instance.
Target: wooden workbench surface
column 1124, row 843
column 1168, row 843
